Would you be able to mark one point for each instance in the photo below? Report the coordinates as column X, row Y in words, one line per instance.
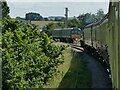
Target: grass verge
column 74, row 73
column 78, row 76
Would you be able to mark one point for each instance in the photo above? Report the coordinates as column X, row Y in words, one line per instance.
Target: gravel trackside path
column 100, row 78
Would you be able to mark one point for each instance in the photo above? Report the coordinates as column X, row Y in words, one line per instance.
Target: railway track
column 91, row 53
column 77, row 47
column 100, row 77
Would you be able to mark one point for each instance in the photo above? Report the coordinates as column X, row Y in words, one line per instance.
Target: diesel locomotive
column 67, row 34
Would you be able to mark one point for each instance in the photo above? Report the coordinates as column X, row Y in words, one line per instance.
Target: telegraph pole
column 66, row 17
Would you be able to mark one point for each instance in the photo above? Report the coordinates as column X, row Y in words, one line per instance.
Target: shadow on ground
column 77, row 76
column 85, row 72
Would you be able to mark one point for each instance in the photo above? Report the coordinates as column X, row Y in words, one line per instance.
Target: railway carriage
column 94, row 29
column 95, row 39
column 103, row 39
column 87, row 36
column 114, row 42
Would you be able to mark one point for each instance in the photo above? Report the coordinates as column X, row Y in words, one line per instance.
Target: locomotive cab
column 75, row 33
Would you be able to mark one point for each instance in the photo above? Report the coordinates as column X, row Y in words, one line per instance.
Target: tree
column 73, row 23
column 86, row 19
column 100, row 14
column 5, row 8
column 51, row 26
column 89, row 18
column 29, row 59
column 34, row 16
column 82, row 19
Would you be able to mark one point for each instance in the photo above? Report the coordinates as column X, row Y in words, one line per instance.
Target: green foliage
column 5, row 8
column 74, row 23
column 51, row 26
column 33, row 16
column 29, row 59
column 81, row 21
column 100, row 14
column 88, row 18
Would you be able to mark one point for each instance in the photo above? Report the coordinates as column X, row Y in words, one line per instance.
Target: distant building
column 33, row 16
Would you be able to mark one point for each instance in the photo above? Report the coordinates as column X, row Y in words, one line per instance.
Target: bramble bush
column 29, row 59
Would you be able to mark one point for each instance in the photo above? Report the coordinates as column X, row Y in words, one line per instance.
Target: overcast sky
column 55, row 7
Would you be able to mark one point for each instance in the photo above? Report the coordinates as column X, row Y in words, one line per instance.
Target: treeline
column 84, row 19
column 29, row 59
column 81, row 21
column 33, row 16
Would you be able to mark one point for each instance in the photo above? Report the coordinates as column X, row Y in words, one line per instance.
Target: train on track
column 67, row 34
column 103, row 40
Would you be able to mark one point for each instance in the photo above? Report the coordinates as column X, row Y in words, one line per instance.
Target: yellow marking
column 75, row 36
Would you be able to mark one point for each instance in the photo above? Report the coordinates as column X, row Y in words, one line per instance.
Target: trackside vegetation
column 29, row 59
column 78, row 75
column 73, row 72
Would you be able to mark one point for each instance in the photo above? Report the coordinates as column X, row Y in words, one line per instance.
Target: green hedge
column 29, row 59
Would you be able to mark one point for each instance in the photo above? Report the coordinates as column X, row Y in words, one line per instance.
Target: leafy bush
column 29, row 59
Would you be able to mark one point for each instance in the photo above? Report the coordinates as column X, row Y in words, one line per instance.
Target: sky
column 55, row 7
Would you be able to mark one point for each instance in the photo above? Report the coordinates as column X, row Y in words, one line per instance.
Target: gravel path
column 99, row 75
